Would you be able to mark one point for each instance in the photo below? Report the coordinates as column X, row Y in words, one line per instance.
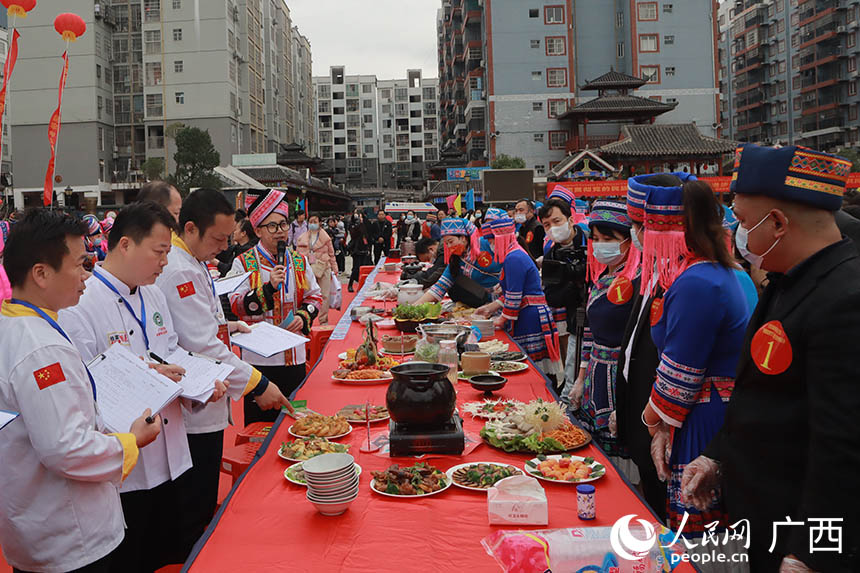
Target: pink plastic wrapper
column 579, row 550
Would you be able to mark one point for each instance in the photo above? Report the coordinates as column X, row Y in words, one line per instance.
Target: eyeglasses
column 273, row 227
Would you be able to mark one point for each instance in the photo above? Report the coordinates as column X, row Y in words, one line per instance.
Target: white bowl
column 331, row 509
column 329, row 490
column 345, row 471
column 348, row 494
column 327, row 464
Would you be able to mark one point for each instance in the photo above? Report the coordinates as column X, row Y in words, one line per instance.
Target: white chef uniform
column 312, row 295
column 59, row 473
column 100, row 319
column 199, row 322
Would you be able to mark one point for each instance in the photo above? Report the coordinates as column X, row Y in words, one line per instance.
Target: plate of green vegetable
column 480, row 476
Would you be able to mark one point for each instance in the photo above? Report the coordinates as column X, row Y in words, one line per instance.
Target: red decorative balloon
column 18, row 7
column 70, row 26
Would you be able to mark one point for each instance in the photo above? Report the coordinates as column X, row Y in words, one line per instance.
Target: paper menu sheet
column 200, row 374
column 267, row 340
column 6, row 417
column 229, row 284
column 126, row 386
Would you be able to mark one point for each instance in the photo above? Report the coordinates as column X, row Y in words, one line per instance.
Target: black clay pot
column 420, row 394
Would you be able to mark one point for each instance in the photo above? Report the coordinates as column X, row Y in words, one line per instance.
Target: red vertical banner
column 11, row 58
column 54, row 133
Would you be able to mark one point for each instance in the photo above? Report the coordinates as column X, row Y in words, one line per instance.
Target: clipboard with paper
column 201, row 372
column 126, row 386
column 267, row 340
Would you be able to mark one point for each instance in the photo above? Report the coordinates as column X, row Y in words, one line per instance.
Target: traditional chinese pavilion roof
column 613, row 80
column 601, row 168
column 293, row 154
column 617, row 106
column 666, row 141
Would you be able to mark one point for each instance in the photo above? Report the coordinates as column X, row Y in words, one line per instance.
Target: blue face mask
column 608, row 253
column 313, row 226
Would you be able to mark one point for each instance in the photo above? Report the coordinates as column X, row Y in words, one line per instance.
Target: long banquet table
column 267, row 524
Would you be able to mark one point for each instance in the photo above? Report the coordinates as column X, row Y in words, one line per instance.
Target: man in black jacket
column 531, row 233
column 789, row 448
column 381, row 233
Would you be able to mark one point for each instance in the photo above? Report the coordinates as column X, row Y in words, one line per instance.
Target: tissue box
column 517, row 500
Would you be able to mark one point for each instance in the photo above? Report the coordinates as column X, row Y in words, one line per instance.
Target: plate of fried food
column 316, row 425
column 565, row 468
column 364, row 376
column 480, row 476
column 419, row 480
column 306, row 448
column 355, row 413
column 509, row 367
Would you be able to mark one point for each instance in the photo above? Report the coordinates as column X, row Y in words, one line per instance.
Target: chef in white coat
column 59, row 472
column 122, row 306
column 205, row 223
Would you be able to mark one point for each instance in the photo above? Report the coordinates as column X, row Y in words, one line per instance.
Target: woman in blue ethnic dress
column 614, row 274
column 698, row 327
column 471, row 273
column 525, row 314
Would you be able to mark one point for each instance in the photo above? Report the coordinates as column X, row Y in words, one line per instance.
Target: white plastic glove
column 576, row 393
column 700, row 478
column 613, row 424
column 661, row 450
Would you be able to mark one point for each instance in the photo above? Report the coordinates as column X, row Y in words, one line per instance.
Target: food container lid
column 585, row 488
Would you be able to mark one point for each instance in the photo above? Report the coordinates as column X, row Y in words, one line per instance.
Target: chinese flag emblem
column 186, row 289
column 49, row 375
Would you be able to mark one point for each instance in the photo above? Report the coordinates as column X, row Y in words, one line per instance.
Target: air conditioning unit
column 97, row 10
column 841, row 29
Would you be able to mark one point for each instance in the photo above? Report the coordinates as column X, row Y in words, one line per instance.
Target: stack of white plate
column 332, row 482
column 485, row 326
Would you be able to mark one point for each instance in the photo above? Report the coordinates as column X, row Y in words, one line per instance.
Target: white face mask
column 313, row 226
column 742, row 239
column 634, row 238
column 520, row 218
column 559, row 233
column 608, row 253
column 478, row 214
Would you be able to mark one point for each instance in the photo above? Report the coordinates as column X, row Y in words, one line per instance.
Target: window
column 177, row 4
column 852, row 39
column 99, row 105
column 151, row 10
column 556, row 77
column 368, row 148
column 387, row 154
column 540, row 169
column 670, row 70
column 556, row 107
column 180, row 97
column 98, row 71
column 537, row 75
column 667, row 8
column 783, row 107
column 178, row 66
column 650, row 73
column 668, row 40
column 429, row 93
column 535, row 43
column 367, row 88
column 555, row 46
column 177, row 34
column 852, row 64
column 619, row 50
column 619, row 19
column 553, row 15
column 647, row 11
column 368, row 119
column 153, row 73
column 152, row 39
column 852, row 88
column 154, row 107
column 649, row 43
column 796, row 104
column 782, row 67
column 852, row 113
column 367, row 104
column 537, row 106
column 782, row 87
column 538, row 138
column 534, row 12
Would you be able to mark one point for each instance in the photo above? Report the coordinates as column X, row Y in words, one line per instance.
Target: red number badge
column 620, row 291
column 770, row 348
column 656, row 311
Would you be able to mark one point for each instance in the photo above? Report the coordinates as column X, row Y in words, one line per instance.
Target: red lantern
column 70, row 26
column 18, row 8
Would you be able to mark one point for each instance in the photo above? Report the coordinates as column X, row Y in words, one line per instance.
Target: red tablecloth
column 267, row 524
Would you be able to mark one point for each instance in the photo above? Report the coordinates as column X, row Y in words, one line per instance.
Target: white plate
column 447, row 485
column 535, row 473
column 291, row 480
column 363, row 382
column 397, row 353
column 342, row 356
column 450, row 474
column 326, row 437
column 521, row 367
column 283, row 457
column 387, row 323
column 463, row 378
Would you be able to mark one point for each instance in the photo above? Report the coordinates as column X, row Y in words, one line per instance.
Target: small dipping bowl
column 488, row 383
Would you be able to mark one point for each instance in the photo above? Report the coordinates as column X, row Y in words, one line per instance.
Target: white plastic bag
column 336, row 295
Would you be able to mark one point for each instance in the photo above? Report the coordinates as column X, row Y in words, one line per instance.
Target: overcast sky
column 381, row 37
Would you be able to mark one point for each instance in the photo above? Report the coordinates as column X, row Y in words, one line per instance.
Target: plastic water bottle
column 449, row 357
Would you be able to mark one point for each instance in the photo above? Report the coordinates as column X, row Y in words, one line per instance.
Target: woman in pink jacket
column 316, row 245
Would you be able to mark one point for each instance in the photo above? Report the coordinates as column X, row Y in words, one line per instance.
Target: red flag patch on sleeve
column 49, row 375
column 186, row 289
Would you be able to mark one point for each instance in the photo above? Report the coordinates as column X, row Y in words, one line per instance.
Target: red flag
column 11, row 58
column 49, row 375
column 54, row 133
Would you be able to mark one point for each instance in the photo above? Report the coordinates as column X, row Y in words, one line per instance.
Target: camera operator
column 563, row 277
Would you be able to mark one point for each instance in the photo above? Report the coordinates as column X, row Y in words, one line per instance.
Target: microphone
column 282, row 252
